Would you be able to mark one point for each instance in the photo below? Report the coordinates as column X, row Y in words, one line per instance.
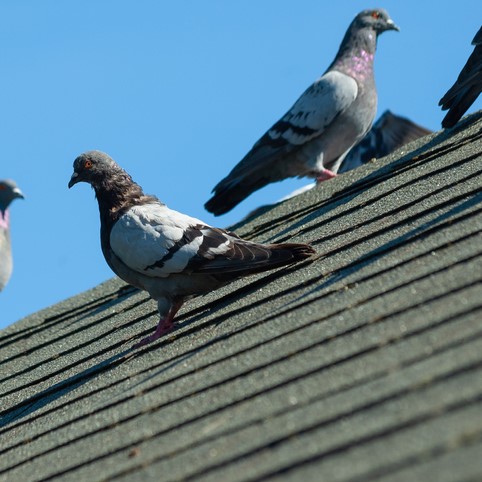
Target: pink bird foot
column 324, row 175
column 164, row 326
column 162, row 329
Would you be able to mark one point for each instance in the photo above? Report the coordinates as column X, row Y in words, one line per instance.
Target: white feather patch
column 329, row 96
column 144, row 235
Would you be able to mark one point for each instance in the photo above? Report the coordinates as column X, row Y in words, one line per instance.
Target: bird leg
column 165, row 325
column 324, row 175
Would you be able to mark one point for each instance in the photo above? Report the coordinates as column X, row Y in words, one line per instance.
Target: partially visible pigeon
column 467, row 87
column 8, row 192
column 315, row 135
column 168, row 254
column 389, row 132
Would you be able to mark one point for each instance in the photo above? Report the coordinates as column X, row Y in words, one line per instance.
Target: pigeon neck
column 117, row 193
column 4, row 218
column 356, row 54
column 114, row 197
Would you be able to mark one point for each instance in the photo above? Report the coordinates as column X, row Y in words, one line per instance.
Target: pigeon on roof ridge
column 318, row 131
column 170, row 255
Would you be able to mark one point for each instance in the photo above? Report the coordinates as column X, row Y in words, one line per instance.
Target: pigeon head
column 114, row 188
column 360, row 41
column 376, row 19
column 8, row 192
column 93, row 167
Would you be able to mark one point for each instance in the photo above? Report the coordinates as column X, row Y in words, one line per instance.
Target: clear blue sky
column 177, row 93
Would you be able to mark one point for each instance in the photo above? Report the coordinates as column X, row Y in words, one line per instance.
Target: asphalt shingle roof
column 363, row 365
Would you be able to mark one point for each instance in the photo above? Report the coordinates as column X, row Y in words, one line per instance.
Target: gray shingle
column 363, row 365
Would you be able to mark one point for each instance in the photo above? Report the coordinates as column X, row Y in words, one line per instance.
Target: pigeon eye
column 376, row 14
column 88, row 164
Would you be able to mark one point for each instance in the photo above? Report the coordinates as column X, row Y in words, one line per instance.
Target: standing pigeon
column 389, row 132
column 168, row 254
column 8, row 192
column 315, row 135
column 467, row 87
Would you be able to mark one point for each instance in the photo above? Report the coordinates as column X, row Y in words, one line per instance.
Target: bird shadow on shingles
column 351, row 192
column 189, row 318
column 387, row 248
column 61, row 389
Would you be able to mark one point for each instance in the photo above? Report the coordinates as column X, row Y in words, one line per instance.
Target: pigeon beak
column 392, row 25
column 18, row 193
column 74, row 179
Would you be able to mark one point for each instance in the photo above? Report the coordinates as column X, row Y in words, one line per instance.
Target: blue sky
column 176, row 93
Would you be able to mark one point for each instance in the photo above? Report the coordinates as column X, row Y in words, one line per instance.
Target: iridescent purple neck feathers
column 4, row 219
column 360, row 65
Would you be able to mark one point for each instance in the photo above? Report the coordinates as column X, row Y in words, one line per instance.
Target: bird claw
column 162, row 329
column 325, row 175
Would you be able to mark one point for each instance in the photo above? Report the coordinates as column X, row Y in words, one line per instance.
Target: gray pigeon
column 8, row 192
column 315, row 135
column 389, row 132
column 168, row 254
column 467, row 87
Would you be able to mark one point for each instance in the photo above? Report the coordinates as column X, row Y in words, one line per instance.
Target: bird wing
column 309, row 116
column 466, row 88
column 478, row 38
column 156, row 241
column 316, row 109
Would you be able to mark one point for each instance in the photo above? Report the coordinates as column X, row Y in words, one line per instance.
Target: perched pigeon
column 467, row 87
column 8, row 192
column 315, row 135
column 168, row 254
column 389, row 132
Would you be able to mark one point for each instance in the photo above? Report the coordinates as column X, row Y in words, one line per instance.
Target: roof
column 362, row 365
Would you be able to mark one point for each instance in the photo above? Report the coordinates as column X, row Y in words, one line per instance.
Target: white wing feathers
column 319, row 105
column 157, row 241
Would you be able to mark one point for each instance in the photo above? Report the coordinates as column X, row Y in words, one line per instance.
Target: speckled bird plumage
column 169, row 254
column 318, row 131
column 8, row 192
column 466, row 88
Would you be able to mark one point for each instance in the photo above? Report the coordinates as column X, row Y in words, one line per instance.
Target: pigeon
column 389, row 132
column 467, row 87
column 8, row 192
column 317, row 132
column 170, row 255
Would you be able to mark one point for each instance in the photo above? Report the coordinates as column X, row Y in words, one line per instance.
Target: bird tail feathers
column 283, row 254
column 228, row 194
column 457, row 104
